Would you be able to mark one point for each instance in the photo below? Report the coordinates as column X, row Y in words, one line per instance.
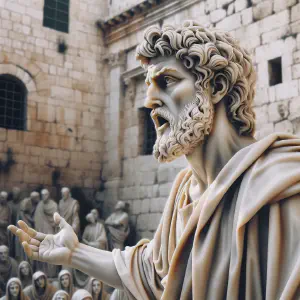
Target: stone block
column 261, row 113
column 230, row 23
column 230, row 9
column 148, row 178
column 264, row 130
column 294, row 108
column 58, row 92
column 143, row 221
column 261, row 96
column 247, row 16
column 278, row 111
column 145, row 205
column 162, row 175
column 164, row 189
column 45, row 112
column 275, row 34
column 71, row 116
column 286, row 90
column 295, row 27
column 15, row 7
column 217, row 15
column 281, row 5
column 157, row 204
column 296, row 57
column 221, row 3
column 240, row 5
column 153, row 221
column 296, row 71
column 295, row 14
column 262, row 10
column 275, row 21
column 3, row 134
column 284, row 126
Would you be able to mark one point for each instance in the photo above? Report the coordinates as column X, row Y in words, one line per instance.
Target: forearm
column 96, row 263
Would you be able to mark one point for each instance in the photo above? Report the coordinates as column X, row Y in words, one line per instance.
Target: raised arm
column 64, row 248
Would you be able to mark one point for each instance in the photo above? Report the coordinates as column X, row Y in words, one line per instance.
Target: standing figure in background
column 96, row 289
column 94, row 233
column 61, row 295
column 117, row 227
column 26, row 213
column 14, row 290
column 43, row 221
column 5, row 218
column 14, row 204
column 65, row 282
column 69, row 209
column 82, row 295
column 40, row 289
column 8, row 267
column 25, row 273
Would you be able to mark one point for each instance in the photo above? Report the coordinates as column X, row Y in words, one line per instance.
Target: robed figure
column 40, row 289
column 97, row 290
column 8, row 267
column 5, row 218
column 117, row 225
column 14, row 290
column 65, row 282
column 94, row 233
column 43, row 221
column 25, row 273
column 69, row 209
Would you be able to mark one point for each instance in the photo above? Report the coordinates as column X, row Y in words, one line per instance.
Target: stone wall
column 65, row 103
column 269, row 29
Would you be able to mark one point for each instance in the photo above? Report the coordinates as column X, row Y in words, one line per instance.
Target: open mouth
column 160, row 122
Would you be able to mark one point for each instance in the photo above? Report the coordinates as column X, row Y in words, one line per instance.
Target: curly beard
column 195, row 123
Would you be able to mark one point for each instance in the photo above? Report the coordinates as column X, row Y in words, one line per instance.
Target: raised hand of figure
column 55, row 249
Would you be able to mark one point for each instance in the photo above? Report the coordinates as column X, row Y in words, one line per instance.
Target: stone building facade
column 85, row 116
column 64, row 138
column 270, row 29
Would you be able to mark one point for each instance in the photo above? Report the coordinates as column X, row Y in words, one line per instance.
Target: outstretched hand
column 55, row 249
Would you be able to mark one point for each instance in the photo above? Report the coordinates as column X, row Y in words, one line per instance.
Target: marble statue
column 118, row 295
column 82, row 295
column 5, row 218
column 61, row 295
column 8, row 267
column 26, row 214
column 94, row 233
column 65, row 282
column 40, row 289
column 14, row 290
column 230, row 227
column 69, row 209
column 117, row 227
column 43, row 221
column 96, row 289
column 25, row 273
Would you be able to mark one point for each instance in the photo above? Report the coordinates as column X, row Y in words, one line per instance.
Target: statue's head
column 35, row 197
column 16, row 191
column 40, row 280
column 61, row 295
column 65, row 279
column 65, row 192
column 96, row 286
column 25, row 269
column 14, row 287
column 3, row 197
column 120, row 206
column 190, row 70
column 4, row 253
column 93, row 216
column 45, row 194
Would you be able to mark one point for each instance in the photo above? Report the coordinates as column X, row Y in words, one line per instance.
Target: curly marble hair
column 213, row 57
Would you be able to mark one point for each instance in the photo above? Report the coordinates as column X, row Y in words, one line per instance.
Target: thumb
column 60, row 221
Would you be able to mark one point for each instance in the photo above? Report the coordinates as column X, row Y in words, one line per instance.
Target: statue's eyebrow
column 153, row 73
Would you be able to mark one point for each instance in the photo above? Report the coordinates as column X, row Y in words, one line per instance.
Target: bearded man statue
column 230, row 227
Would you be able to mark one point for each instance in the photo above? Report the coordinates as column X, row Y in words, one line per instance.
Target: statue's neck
column 208, row 159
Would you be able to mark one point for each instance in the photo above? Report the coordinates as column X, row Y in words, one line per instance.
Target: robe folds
column 239, row 240
column 94, row 235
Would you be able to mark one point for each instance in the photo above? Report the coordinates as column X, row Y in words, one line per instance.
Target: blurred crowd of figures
column 21, row 278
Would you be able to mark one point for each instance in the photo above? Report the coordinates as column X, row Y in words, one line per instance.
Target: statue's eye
column 169, row 80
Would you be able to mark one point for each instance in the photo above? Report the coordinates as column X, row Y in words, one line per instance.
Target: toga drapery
column 240, row 240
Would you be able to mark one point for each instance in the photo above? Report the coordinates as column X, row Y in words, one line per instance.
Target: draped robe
column 69, row 210
column 94, row 235
column 7, row 294
column 118, row 233
column 71, row 289
column 44, row 222
column 32, row 292
column 26, row 281
column 239, row 240
column 103, row 295
column 7, row 270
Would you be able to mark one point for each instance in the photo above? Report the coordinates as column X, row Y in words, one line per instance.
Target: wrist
column 75, row 255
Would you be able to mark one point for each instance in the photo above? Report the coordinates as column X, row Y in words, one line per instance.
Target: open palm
column 55, row 249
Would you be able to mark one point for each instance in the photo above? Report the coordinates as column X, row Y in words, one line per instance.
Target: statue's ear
column 219, row 88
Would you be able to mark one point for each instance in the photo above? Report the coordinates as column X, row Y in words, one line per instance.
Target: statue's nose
column 153, row 96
